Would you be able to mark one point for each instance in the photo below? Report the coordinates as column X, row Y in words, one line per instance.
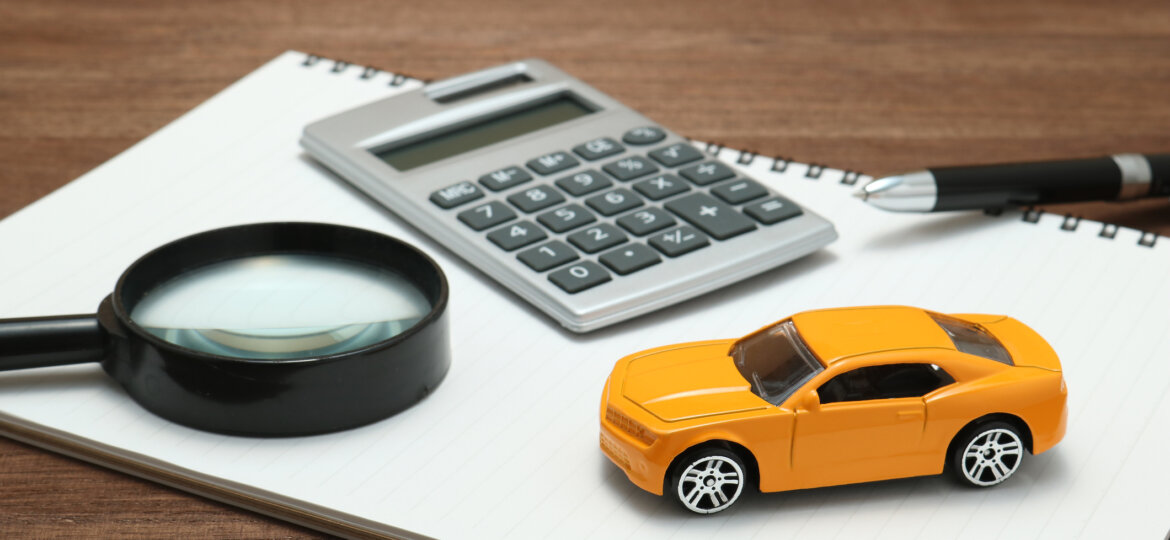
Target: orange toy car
column 834, row 396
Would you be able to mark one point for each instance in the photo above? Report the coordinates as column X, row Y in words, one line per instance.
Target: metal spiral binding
column 368, row 72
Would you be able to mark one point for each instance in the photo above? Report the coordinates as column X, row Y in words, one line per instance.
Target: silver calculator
column 578, row 204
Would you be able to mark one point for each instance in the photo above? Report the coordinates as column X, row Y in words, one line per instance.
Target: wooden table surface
column 877, row 87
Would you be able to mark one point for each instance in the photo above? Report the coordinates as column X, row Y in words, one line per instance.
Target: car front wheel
column 708, row 480
column 988, row 454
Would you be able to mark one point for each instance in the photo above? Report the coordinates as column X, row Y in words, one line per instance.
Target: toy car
column 831, row 397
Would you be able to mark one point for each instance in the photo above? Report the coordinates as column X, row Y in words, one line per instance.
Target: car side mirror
column 811, row 401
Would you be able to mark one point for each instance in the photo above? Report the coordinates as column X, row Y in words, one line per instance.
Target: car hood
column 687, row 381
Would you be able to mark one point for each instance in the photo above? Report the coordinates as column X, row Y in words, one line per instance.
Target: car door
column 866, row 424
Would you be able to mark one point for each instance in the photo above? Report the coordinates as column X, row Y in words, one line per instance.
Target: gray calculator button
column 516, row 235
column 644, row 135
column 584, row 182
column 676, row 154
column 566, row 218
column 505, row 178
column 661, row 186
column 598, row 148
column 614, row 202
column 536, row 198
column 630, row 167
column 579, row 277
column 772, row 210
column 548, row 255
column 707, row 173
column 740, row 190
column 486, row 215
column 551, row 163
column 713, row 217
column 630, row 259
column 597, row 238
column 646, row 221
column 455, row 195
column 678, row 241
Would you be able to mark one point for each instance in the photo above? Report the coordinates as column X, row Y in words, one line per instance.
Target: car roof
column 834, row 334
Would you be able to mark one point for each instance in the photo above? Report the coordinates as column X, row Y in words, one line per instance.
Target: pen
column 1116, row 177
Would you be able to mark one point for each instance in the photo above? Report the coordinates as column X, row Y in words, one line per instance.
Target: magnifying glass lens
column 281, row 306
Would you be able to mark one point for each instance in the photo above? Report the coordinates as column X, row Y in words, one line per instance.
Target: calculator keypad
column 669, row 199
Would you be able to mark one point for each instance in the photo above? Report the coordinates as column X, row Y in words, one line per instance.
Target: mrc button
column 455, row 195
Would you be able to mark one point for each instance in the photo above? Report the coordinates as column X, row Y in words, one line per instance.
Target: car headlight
column 628, row 425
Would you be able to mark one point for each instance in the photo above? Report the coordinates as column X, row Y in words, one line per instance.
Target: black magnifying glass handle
column 51, row 341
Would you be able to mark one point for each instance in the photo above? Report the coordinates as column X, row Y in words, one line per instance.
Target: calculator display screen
column 482, row 133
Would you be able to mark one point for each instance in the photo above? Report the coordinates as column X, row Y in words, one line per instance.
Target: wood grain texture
column 878, row 87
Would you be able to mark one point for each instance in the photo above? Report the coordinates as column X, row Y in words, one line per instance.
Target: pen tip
column 861, row 193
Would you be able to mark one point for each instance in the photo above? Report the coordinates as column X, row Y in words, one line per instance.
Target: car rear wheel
column 988, row 454
column 708, row 480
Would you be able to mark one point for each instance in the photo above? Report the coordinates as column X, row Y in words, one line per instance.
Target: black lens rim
column 297, row 396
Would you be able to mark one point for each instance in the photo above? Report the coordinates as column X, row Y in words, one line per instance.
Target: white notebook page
column 507, row 445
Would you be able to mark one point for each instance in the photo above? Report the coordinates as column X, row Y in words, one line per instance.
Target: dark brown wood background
column 877, row 87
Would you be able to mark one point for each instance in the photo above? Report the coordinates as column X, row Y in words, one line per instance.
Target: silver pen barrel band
column 1136, row 175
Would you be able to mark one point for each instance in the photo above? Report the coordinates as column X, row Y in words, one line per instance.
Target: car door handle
column 907, row 415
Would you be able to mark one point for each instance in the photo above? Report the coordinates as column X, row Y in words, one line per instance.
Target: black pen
column 1117, row 177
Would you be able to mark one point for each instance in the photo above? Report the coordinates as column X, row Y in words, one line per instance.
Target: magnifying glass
column 271, row 329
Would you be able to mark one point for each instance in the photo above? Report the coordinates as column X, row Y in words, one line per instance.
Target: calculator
column 576, row 203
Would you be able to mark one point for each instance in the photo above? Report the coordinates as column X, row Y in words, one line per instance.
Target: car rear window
column 971, row 338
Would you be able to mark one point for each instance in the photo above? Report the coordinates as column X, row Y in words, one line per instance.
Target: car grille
column 628, row 425
column 615, row 454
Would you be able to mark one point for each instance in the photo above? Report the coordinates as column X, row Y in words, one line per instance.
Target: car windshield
column 775, row 361
column 972, row 339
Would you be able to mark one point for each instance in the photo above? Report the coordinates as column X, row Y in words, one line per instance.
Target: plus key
column 711, row 216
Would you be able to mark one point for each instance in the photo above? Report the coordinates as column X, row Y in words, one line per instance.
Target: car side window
column 884, row 382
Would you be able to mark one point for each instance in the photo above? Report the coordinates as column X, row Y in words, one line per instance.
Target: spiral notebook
column 507, row 446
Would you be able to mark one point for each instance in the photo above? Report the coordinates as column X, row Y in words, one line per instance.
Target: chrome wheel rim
column 710, row 484
column 992, row 456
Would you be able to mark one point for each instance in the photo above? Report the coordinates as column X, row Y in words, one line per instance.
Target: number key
column 516, row 235
column 566, row 218
column 543, row 257
column 580, row 276
column 486, row 215
column 614, row 202
column 597, row 238
column 646, row 221
column 536, row 198
column 584, row 182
